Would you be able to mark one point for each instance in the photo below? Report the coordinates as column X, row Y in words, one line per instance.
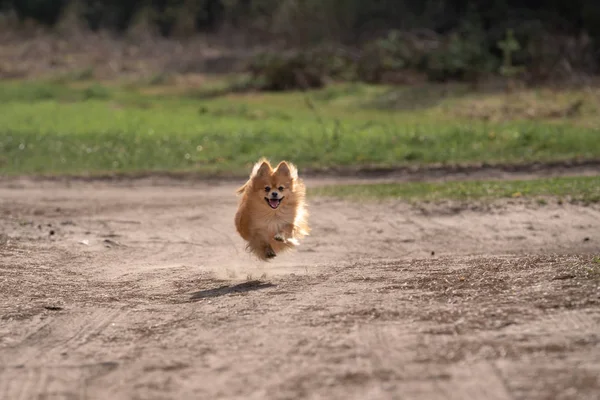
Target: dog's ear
column 261, row 168
column 287, row 170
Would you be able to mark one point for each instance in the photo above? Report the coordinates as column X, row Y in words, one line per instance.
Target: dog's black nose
column 273, row 194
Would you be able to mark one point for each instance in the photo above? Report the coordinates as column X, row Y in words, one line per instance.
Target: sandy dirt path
column 137, row 291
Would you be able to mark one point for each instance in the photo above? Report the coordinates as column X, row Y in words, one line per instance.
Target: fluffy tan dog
column 271, row 215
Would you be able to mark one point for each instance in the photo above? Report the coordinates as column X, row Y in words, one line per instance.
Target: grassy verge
column 87, row 128
column 575, row 189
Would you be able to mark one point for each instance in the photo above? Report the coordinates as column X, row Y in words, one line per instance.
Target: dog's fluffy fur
column 271, row 215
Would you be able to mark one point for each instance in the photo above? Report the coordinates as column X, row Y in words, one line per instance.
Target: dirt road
column 138, row 291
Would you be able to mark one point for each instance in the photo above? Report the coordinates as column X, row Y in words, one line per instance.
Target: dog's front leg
column 262, row 248
column 285, row 234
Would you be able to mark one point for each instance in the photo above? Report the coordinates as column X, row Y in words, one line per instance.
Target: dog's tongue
column 274, row 203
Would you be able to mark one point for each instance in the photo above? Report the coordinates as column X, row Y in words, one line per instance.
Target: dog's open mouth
column 274, row 203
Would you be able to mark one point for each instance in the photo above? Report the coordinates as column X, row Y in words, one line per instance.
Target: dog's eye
column 267, row 189
column 280, row 188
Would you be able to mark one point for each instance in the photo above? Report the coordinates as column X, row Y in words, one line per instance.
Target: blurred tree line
column 346, row 20
column 444, row 38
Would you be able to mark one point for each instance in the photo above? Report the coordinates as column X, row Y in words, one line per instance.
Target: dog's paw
column 269, row 253
column 279, row 237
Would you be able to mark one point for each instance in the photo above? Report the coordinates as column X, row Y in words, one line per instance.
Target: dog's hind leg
column 261, row 249
column 269, row 252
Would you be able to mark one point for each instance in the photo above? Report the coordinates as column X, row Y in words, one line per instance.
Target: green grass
column 575, row 189
column 87, row 128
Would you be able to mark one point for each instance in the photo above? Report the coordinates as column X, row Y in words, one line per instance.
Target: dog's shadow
column 229, row 289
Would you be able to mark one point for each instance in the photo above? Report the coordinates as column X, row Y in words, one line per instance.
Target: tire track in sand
column 64, row 336
column 37, row 368
column 388, row 351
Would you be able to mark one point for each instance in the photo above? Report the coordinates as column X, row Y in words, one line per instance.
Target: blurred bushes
column 389, row 39
column 275, row 72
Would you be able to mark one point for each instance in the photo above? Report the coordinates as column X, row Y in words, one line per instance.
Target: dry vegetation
column 83, row 55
